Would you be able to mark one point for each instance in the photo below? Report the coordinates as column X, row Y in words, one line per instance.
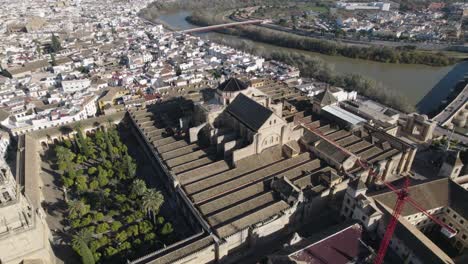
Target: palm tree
column 138, row 187
column 152, row 201
column 77, row 207
column 64, row 157
column 61, row 153
column 84, row 235
column 80, row 243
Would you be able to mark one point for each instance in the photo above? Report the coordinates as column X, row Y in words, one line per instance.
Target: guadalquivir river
column 424, row 86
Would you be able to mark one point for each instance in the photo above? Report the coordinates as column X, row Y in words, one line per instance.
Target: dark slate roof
column 326, row 98
column 232, row 85
column 332, row 151
column 248, row 112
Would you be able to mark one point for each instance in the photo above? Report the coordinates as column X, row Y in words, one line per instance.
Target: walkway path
column 54, row 206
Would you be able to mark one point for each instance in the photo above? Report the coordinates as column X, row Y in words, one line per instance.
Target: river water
column 424, row 86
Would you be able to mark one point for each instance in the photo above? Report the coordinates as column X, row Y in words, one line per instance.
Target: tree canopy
column 110, row 211
column 55, row 44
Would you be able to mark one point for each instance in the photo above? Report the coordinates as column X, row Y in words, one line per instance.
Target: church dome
column 232, row 85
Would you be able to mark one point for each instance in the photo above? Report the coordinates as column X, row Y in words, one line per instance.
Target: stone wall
column 31, row 244
column 243, row 153
column 57, row 134
column 206, row 255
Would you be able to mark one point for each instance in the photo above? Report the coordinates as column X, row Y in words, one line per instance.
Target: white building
column 364, row 6
column 58, row 117
column 4, row 142
column 70, row 86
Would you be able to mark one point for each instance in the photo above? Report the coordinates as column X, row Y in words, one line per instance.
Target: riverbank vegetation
column 404, row 55
column 313, row 67
column 112, row 214
column 310, row 66
column 153, row 10
column 211, row 16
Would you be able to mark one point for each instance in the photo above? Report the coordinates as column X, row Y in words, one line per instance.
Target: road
column 443, row 117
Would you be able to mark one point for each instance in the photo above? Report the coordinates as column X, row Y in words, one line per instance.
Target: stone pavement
column 55, row 208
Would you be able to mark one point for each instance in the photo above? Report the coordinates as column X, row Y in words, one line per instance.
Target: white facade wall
column 147, row 57
column 365, row 6
column 90, row 107
column 4, row 142
column 75, row 85
column 87, row 110
column 88, row 61
column 345, row 96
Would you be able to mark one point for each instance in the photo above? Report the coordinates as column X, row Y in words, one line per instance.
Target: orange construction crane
column 403, row 196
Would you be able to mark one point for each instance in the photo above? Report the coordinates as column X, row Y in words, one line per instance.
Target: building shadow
column 431, row 102
column 66, row 254
column 55, row 175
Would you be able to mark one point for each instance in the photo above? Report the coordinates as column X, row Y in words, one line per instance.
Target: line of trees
column 154, row 9
column 313, row 67
column 288, row 40
column 206, row 18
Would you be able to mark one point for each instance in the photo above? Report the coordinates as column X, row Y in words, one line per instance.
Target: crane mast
column 403, row 196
